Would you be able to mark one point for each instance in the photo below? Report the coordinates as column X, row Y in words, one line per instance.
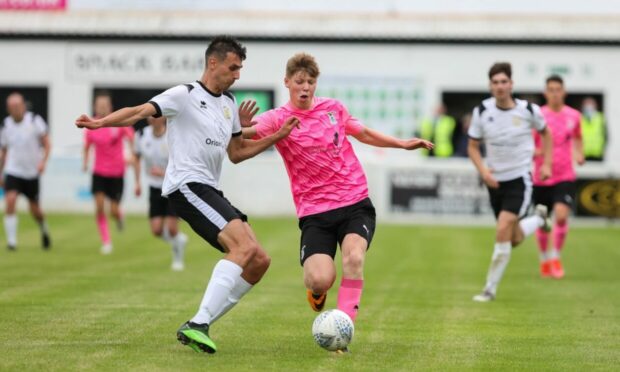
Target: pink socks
column 543, row 240
column 559, row 235
column 349, row 296
column 102, row 225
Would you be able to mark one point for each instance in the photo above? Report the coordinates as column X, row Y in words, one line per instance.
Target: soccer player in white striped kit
column 25, row 148
column 151, row 147
column 505, row 125
column 203, row 127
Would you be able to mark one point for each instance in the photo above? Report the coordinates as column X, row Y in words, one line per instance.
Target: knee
column 353, row 259
column 157, row 231
column 245, row 251
column 319, row 282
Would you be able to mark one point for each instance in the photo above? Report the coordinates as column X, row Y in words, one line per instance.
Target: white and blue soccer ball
column 332, row 330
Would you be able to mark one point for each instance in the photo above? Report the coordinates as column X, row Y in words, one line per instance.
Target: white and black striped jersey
column 23, row 143
column 507, row 135
column 153, row 151
column 200, row 125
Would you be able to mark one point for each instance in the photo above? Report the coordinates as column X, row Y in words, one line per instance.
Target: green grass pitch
column 73, row 309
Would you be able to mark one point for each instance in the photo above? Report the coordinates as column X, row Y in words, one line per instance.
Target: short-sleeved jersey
column 109, row 150
column 154, row 152
column 200, row 125
column 565, row 125
column 323, row 169
column 507, row 135
column 23, row 143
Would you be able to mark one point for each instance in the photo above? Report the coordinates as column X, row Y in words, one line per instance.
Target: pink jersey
column 323, row 169
column 109, row 157
column 564, row 125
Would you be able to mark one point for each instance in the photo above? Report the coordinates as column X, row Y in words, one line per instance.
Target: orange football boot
column 317, row 302
column 557, row 271
column 545, row 269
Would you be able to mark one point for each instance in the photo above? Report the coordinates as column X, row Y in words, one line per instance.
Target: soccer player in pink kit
column 328, row 183
column 558, row 191
column 109, row 168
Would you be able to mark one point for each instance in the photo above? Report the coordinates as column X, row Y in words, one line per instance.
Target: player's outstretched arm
column 240, row 149
column 124, row 117
column 378, row 139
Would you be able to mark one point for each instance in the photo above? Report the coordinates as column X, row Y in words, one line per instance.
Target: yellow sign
column 601, row 198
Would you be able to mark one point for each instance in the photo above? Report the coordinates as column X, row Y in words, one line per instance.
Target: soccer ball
column 332, row 330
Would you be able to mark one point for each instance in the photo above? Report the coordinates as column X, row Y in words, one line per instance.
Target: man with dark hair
column 505, row 125
column 557, row 192
column 24, row 150
column 204, row 126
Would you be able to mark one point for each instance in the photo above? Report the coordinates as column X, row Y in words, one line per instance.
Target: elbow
column 235, row 158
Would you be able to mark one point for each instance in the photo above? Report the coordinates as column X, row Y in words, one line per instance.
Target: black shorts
column 205, row 209
column 512, row 196
column 28, row 187
column 112, row 187
column 158, row 205
column 562, row 192
column 322, row 232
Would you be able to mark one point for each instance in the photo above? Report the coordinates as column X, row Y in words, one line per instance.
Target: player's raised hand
column 247, row 110
column 85, row 121
column 489, row 180
column 417, row 143
column 287, row 127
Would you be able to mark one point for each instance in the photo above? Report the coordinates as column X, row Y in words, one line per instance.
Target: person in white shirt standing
column 505, row 125
column 25, row 148
column 152, row 147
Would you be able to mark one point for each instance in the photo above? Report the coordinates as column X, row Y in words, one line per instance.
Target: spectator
column 593, row 130
column 439, row 129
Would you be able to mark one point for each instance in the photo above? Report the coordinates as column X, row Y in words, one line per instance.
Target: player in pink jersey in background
column 328, row 182
column 558, row 191
column 108, row 169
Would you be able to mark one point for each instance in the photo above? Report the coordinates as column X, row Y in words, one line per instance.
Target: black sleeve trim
column 236, row 134
column 481, row 108
column 530, row 108
column 189, row 87
column 229, row 95
column 157, row 108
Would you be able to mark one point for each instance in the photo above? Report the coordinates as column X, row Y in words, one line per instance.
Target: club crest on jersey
column 227, row 113
column 516, row 121
column 332, row 118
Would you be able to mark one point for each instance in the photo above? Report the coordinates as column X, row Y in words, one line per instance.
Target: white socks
column 10, row 227
column 499, row 261
column 240, row 289
column 223, row 280
column 530, row 224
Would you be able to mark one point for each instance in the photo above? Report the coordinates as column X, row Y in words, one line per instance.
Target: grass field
column 73, row 309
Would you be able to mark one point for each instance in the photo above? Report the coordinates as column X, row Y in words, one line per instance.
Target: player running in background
column 558, row 191
column 25, row 148
column 151, row 146
column 109, row 168
column 327, row 181
column 203, row 126
column 505, row 125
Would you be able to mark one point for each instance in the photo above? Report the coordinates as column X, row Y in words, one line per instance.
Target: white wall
column 435, row 67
